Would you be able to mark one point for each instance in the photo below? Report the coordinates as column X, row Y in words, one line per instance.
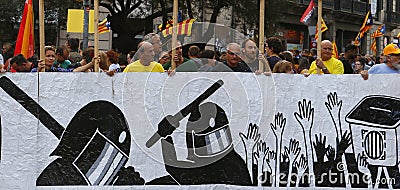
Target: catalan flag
column 184, row 28
column 373, row 46
column 104, row 26
column 335, row 52
column 357, row 41
column 367, row 24
column 323, row 28
column 398, row 35
column 25, row 43
column 379, row 32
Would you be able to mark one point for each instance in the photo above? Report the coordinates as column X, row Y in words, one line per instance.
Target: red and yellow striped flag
column 25, row 44
column 373, row 46
column 184, row 27
column 323, row 28
column 104, row 26
column 335, row 52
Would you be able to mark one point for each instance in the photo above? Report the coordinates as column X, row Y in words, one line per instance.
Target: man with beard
column 249, row 56
column 392, row 65
column 349, row 58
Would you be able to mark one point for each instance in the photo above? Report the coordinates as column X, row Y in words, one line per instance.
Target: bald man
column 327, row 64
column 145, row 62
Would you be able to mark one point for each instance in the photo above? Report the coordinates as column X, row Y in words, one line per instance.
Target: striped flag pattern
column 323, row 28
column 104, row 26
column 335, row 52
column 25, row 43
column 373, row 46
column 184, row 28
column 379, row 32
column 367, row 24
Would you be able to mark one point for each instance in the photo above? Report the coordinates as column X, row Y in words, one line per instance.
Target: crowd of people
column 245, row 57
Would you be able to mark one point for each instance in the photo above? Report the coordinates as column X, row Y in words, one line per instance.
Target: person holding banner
column 392, row 65
column 327, row 63
column 145, row 62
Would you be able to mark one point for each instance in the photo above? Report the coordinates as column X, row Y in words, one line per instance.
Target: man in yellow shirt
column 327, row 64
column 145, row 63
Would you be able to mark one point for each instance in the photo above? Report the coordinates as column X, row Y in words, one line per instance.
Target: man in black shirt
column 349, row 58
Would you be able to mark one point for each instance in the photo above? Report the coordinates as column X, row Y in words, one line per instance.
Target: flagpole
column 41, row 33
column 174, row 33
column 319, row 25
column 96, row 35
column 261, row 34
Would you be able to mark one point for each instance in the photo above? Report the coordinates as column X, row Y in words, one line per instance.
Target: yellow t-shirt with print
column 333, row 65
column 138, row 67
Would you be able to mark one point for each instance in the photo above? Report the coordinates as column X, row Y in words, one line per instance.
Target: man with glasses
column 233, row 60
column 392, row 65
column 326, row 63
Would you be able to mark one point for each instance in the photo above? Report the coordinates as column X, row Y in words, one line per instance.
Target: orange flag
column 25, row 44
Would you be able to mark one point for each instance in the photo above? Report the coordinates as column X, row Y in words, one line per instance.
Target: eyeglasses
column 327, row 49
column 233, row 53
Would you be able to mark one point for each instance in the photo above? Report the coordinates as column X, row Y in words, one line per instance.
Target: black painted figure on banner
column 98, row 133
column 212, row 158
column 93, row 149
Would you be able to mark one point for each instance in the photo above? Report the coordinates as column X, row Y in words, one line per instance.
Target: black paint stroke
column 31, row 106
column 0, row 138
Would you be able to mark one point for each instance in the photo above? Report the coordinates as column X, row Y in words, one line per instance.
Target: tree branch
column 189, row 7
column 108, row 7
column 136, row 5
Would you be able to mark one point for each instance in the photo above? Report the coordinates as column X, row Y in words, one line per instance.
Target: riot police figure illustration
column 211, row 156
column 93, row 150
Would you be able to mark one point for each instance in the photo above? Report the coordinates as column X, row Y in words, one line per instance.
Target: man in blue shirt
column 392, row 65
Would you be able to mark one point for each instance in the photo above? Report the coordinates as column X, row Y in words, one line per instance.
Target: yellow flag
column 323, row 28
column 75, row 21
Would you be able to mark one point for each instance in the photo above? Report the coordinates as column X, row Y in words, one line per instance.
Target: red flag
column 308, row 14
column 25, row 44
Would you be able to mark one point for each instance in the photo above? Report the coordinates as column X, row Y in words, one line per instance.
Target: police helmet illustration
column 96, row 142
column 208, row 134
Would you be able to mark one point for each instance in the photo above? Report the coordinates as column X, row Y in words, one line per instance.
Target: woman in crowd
column 283, row 66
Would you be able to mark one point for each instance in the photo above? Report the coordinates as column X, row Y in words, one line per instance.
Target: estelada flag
column 25, row 43
column 335, row 52
column 323, row 28
column 308, row 15
column 379, row 32
column 104, row 26
column 373, row 46
column 184, row 28
column 367, row 24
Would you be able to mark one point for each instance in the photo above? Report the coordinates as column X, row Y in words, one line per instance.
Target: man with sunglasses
column 392, row 65
column 233, row 59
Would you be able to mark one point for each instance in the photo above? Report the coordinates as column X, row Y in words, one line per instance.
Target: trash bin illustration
column 374, row 125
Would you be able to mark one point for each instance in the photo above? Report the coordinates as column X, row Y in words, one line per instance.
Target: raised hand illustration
column 292, row 153
column 362, row 165
column 260, row 157
column 271, row 161
column 320, row 148
column 278, row 127
column 334, row 105
column 330, row 154
column 342, row 144
column 301, row 166
column 250, row 141
column 305, row 117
